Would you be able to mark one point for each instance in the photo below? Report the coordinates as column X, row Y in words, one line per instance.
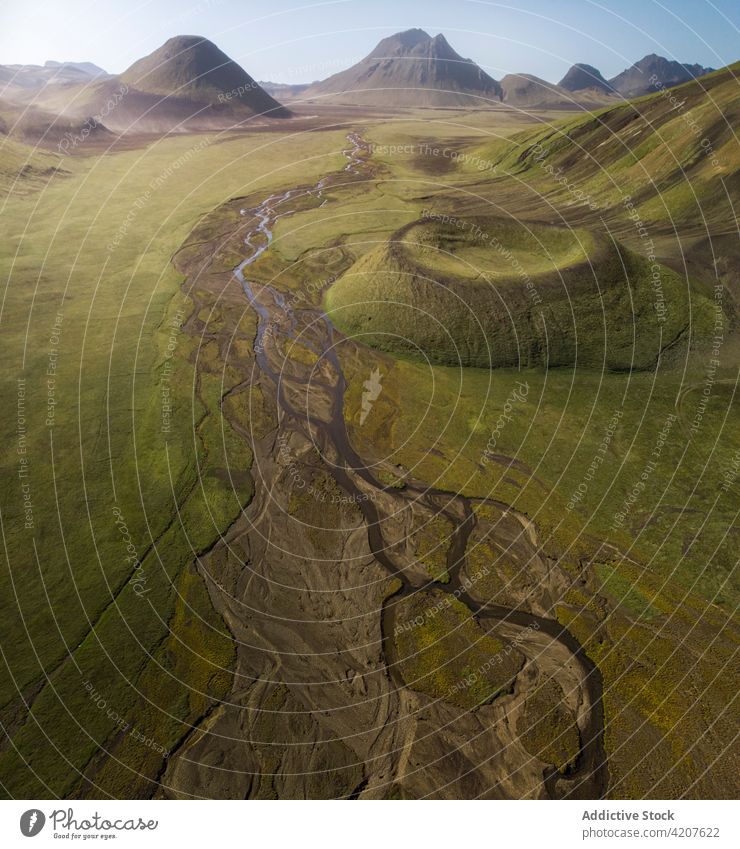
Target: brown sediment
column 312, row 608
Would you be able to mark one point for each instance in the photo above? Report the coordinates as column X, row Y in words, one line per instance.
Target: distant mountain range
column 284, row 90
column 525, row 91
column 651, row 73
column 412, row 68
column 88, row 68
column 642, row 77
column 188, row 83
column 51, row 73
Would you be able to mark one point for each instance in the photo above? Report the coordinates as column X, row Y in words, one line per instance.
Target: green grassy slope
column 675, row 153
column 491, row 292
column 24, row 170
column 91, row 309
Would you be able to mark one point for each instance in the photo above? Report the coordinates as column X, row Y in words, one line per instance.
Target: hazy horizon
column 296, row 43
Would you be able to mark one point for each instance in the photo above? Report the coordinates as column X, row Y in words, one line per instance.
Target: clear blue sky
column 299, row 41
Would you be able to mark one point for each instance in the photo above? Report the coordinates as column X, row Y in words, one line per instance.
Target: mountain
column 88, row 68
column 582, row 77
column 192, row 67
column 284, row 90
column 17, row 78
column 415, row 293
column 412, row 69
column 40, row 128
column 653, row 72
column 529, row 92
column 186, row 84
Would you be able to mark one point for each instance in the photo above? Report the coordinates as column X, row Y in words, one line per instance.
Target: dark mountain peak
column 653, row 72
column 440, row 48
column 400, row 43
column 182, row 62
column 410, row 68
column 192, row 67
column 582, row 76
column 698, row 70
column 414, row 42
column 185, row 42
column 410, row 37
column 653, row 62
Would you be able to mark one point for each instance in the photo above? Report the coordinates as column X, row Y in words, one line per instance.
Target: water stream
column 589, row 777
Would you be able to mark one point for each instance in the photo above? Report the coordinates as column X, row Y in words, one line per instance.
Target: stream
column 589, row 777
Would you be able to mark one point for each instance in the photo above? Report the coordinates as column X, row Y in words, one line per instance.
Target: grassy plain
column 112, row 630
column 649, row 610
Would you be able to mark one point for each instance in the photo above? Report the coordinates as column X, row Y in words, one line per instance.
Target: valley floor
column 256, row 557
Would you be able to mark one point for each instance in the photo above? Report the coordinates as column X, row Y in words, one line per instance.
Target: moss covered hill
column 24, row 170
column 492, row 292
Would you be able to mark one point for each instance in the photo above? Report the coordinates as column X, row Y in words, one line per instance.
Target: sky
column 294, row 41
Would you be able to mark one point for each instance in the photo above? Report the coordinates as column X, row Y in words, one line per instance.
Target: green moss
column 623, row 592
column 547, row 728
column 192, row 670
column 432, row 542
column 441, row 651
column 251, row 411
column 397, row 481
column 301, row 354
